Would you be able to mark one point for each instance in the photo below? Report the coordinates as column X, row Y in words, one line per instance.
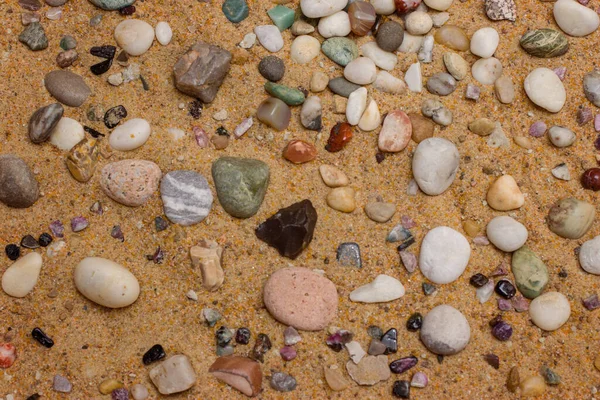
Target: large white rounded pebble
column 440, row 5
column 434, row 165
column 506, row 233
column 418, row 23
column 134, row 36
column 130, row 135
column 381, row 58
column 384, row 7
column 164, row 33
column 269, row 37
column 304, row 49
column 575, row 19
column 20, row 278
column 589, row 256
column 487, row 70
column 445, row 330
column 105, row 282
column 321, row 8
column 357, row 103
column 444, row 255
column 67, row 133
column 484, row 42
column 337, row 24
column 545, row 89
column 384, row 288
column 550, row 311
column 361, row 71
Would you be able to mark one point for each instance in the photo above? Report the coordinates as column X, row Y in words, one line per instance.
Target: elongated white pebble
column 163, row 33
column 131, row 135
column 20, row 278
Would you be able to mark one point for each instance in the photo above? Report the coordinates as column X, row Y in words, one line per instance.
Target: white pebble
column 164, row 33
column 506, row 233
column 484, row 42
column 487, row 70
column 371, row 118
column 445, row 330
column 357, row 103
column 434, row 165
column 20, row 278
column 248, row 40
column 192, row 295
column 115, row 79
column 321, row 8
column 176, row 133
column 220, row 115
column 134, row 36
column 575, row 19
column 589, row 256
column 410, row 43
column 383, row 59
column 139, row 392
column 440, row 19
column 130, row 135
column 561, row 136
column 440, row 5
column 384, row 288
column 418, row 23
column 337, row 24
column 361, row 71
column 269, row 37
column 550, row 311
column 545, row 89
column 425, row 54
column 355, row 351
column 384, row 7
column 67, row 133
column 388, row 83
column 444, row 255
column 413, row 78
column 304, row 49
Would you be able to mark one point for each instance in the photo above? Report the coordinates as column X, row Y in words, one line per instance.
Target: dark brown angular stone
column 43, row 121
column 201, row 71
column 291, row 229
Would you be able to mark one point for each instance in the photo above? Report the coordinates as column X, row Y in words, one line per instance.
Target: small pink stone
column 407, row 222
column 201, row 136
column 537, row 129
column 504, row 305
column 472, row 92
column 520, row 303
column 560, row 72
column 8, row 355
column 409, row 260
column 419, row 380
column 481, row 240
column 597, row 122
column 288, row 353
column 243, row 127
column 583, row 2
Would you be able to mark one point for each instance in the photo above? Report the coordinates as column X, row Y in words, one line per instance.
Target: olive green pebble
column 531, row 274
column 68, row 42
column 290, row 96
column 544, row 43
column 340, row 50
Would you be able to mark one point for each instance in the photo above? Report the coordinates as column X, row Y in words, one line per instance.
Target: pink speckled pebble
column 537, row 129
column 130, row 182
column 301, row 298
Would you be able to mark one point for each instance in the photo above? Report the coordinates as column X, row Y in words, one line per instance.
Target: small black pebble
column 195, row 109
column 440, row 358
column 114, row 115
column 12, row 251
column 379, row 157
column 101, row 67
column 221, row 131
column 29, row 242
column 401, row 389
column 160, row 224
column 262, row 345
column 505, row 289
column 414, row 322
column 34, row 396
column 428, row 288
column 42, row 338
column 563, row 273
column 493, row 360
column 478, row 280
column 106, row 51
column 242, row 336
column 494, row 321
column 45, row 239
column 155, row 353
column 390, row 339
column 127, row 10
column 93, row 133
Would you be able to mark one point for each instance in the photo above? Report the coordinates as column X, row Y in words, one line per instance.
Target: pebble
column 440, row 5
column 532, row 386
column 418, row 23
column 106, row 283
column 130, row 135
column 241, row 184
column 290, row 96
column 561, row 171
column 575, row 19
column 66, row 133
column 361, row 71
column 441, row 83
column 163, row 33
column 339, row 104
column 531, row 274
column 43, row 121
column 425, row 54
column 20, row 278
column 65, row 59
column 419, row 380
column 362, row 17
column 235, row 10
column 304, row 49
column 342, row 87
column 379, row 211
column 487, row 70
column 321, row 8
column 484, row 42
column 434, row 165
column 506, row 233
column 134, row 36
column 472, row 92
column 384, row 7
column 340, row 50
column 211, row 317
column 413, row 78
column 310, row 114
column 382, row 289
column 67, row 87
column 82, row 159
column 435, row 109
column 200, row 71
column 388, row 83
column 498, row 138
column 370, row 370
column 61, row 384
column 356, row 106
column 371, row 118
column 482, row 126
column 130, row 182
column 445, row 330
column 561, row 136
column 396, row 132
column 282, row 17
column 405, row 6
column 498, row 10
column 241, row 373
column 504, row 194
column 444, row 255
column 551, row 377
column 334, row 378
column 504, row 89
column 439, row 19
column 282, row 382
column 571, row 218
column 337, row 24
column 301, row 298
column 111, row 5
column 589, row 256
column 355, row 351
column 389, row 35
column 550, row 311
column 34, row 37
column 457, row 66
column 332, row 176
column 591, row 88
column 174, row 375
column 271, row 68
column 342, row 199
column 248, row 41
column 403, row 364
column 269, row 37
column 452, row 37
column 318, row 82
column 108, row 385
column 186, row 197
column 299, row 151
column 8, row 355
column 381, row 58
column 544, row 43
column 243, row 127
column 275, row 113
column 545, row 89
column 30, row 17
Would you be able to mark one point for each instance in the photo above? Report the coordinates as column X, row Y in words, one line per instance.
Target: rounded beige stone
column 342, row 199
column 504, row 194
column 130, row 182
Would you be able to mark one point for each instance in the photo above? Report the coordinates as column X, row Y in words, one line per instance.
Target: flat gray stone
column 186, row 197
column 67, row 87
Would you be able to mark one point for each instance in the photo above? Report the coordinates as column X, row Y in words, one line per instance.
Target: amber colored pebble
column 452, row 37
column 299, row 151
column 340, row 134
column 513, row 380
column 591, row 179
column 471, row 227
column 362, row 17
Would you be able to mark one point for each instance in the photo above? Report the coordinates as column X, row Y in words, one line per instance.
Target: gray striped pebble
column 186, row 197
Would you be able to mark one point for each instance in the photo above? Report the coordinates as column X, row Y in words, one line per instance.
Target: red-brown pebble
column 340, row 134
column 299, row 151
column 591, row 179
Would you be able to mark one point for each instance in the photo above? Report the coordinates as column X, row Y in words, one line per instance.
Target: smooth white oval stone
column 304, row 49
column 67, row 133
column 444, row 255
column 575, row 19
column 269, row 37
column 130, row 135
column 434, row 165
column 164, row 33
column 371, row 118
column 384, row 7
column 545, row 89
column 20, row 278
column 361, row 71
column 381, row 58
column 337, row 24
column 321, row 8
column 484, row 42
column 445, row 330
column 550, row 311
column 487, row 70
column 440, row 5
column 134, row 36
column 384, row 288
column 357, row 103
column 589, row 256
column 106, row 283
column 506, row 233
column 418, row 23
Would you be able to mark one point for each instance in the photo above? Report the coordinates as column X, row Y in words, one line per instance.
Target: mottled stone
column 531, row 274
column 130, row 182
column 591, row 86
column 544, row 43
column 43, row 121
column 571, row 218
column 186, row 197
column 18, row 186
column 498, row 10
column 34, row 37
column 82, row 159
column 111, row 5
column 340, row 50
column 370, row 370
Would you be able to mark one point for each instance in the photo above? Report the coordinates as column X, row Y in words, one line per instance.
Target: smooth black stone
column 101, row 67
column 341, row 86
column 12, row 251
column 271, row 68
column 262, row 345
column 505, row 289
column 406, row 243
column 390, row 339
column 155, row 353
column 45, row 239
column 403, row 364
column 401, row 389
column 221, row 131
column 493, row 360
column 145, row 84
column 291, row 229
column 93, row 133
column 127, row 10
column 242, row 336
column 106, row 51
column 414, row 322
column 34, row 396
column 114, row 115
column 478, row 280
column 42, row 338
column 29, row 242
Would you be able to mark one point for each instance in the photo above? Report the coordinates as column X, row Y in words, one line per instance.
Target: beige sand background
column 93, row 343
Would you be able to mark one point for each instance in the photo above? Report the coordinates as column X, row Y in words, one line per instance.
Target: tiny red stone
column 340, row 134
column 591, row 179
column 8, row 355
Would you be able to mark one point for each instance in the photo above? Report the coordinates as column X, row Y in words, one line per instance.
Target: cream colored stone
column 208, row 255
column 332, row 176
column 342, row 199
column 504, row 194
